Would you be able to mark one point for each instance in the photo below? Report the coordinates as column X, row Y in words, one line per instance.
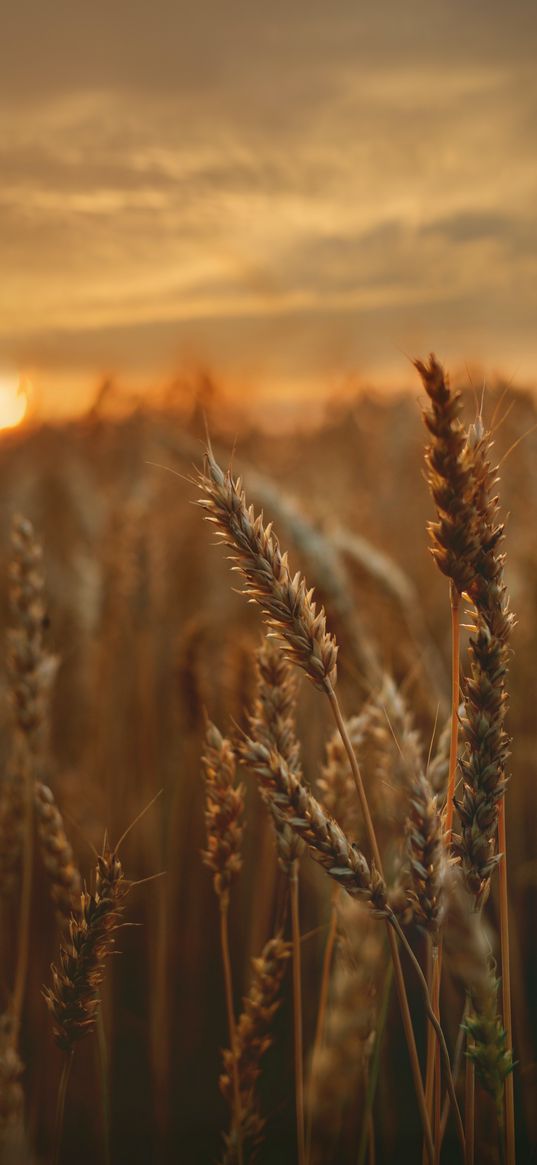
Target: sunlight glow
column 13, row 400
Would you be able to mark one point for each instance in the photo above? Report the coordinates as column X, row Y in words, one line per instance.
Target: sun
column 13, row 400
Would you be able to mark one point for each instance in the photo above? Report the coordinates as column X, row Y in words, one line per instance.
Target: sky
column 295, row 196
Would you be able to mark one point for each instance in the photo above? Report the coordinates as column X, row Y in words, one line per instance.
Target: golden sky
column 293, row 194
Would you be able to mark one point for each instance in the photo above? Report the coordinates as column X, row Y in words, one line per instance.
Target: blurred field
column 149, row 633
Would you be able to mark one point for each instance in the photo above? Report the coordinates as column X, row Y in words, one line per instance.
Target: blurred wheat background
column 149, row 636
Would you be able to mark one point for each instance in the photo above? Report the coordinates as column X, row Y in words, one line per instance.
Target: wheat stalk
column 291, row 614
column 253, row 1039
column 342, row 861
column 224, row 809
column 482, row 807
column 30, row 674
column 455, row 545
column 468, row 953
column 272, row 723
column 486, row 698
column 336, row 783
column 438, row 766
column 339, row 1065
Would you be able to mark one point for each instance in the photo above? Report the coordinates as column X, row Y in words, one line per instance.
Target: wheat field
column 180, row 981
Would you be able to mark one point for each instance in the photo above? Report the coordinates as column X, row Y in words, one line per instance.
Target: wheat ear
column 73, row 997
column 58, row 859
column 30, row 674
column 324, row 838
column 253, row 1039
column 287, row 604
column 11, row 1093
column 12, row 823
column 272, row 723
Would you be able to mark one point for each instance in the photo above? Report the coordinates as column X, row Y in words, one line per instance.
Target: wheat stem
column 327, row 967
column 457, row 1058
column 437, row 1077
column 228, row 981
column 357, row 776
column 104, row 1076
column 297, row 1015
column 501, row 1129
column 432, row 1089
column 455, row 691
column 432, row 1048
column 370, row 1125
column 375, row 1064
column 323, row 1001
column 469, row 1110
column 60, row 1106
column 430, row 1062
column 398, row 970
column 25, row 903
column 506, row 984
column 393, row 922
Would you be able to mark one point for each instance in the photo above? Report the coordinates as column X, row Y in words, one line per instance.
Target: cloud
column 220, row 179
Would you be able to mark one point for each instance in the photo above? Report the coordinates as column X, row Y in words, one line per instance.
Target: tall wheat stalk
column 224, row 811
column 392, row 939
column 30, row 673
column 292, row 616
column 272, row 723
column 297, row 1014
column 482, row 806
column 328, row 956
column 253, row 1038
column 455, row 545
column 506, row 982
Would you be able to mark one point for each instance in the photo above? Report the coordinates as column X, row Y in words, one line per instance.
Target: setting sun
column 13, row 401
